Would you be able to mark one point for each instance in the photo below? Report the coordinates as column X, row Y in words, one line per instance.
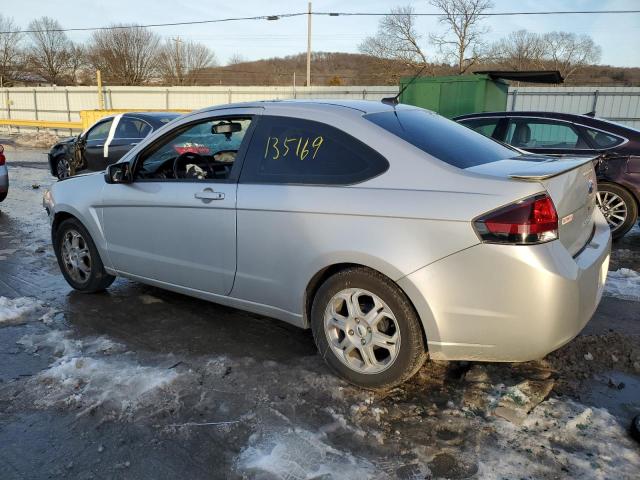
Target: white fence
column 65, row 103
column 621, row 104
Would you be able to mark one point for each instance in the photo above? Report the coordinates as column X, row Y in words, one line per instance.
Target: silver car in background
column 4, row 175
column 390, row 231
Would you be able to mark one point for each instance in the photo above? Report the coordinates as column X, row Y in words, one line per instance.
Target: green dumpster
column 457, row 94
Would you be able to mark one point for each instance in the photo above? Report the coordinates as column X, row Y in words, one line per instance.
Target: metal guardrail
column 40, row 124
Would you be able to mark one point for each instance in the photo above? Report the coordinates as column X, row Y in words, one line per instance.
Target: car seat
column 521, row 135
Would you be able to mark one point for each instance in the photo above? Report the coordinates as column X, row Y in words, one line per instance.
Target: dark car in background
column 105, row 142
column 4, row 175
column 616, row 147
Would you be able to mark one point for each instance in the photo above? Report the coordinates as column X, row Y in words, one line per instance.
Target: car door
column 128, row 133
column 181, row 231
column 546, row 136
column 94, row 142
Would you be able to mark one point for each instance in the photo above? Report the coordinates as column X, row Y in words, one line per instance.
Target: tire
column 344, row 333
column 64, row 168
column 635, row 428
column 80, row 264
column 615, row 202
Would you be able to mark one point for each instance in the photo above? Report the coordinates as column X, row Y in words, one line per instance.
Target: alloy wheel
column 76, row 256
column 613, row 208
column 63, row 168
column 362, row 331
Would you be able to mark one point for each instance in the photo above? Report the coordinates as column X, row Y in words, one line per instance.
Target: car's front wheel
column 79, row 259
column 366, row 329
column 64, row 168
column 619, row 208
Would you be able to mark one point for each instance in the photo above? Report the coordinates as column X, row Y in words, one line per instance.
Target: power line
column 173, row 24
column 488, row 14
column 329, row 14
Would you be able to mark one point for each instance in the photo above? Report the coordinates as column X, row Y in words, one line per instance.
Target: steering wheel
column 194, row 157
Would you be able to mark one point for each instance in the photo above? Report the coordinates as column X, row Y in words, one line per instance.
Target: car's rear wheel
column 366, row 329
column 78, row 258
column 64, row 168
column 619, row 208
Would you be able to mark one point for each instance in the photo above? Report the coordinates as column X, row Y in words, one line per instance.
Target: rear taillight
column 532, row 220
column 2, row 159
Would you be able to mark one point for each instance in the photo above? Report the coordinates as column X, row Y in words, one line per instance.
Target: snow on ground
column 623, row 283
column 13, row 310
column 297, row 454
column 560, row 435
column 94, row 372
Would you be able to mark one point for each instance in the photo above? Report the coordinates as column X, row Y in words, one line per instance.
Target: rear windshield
column 444, row 139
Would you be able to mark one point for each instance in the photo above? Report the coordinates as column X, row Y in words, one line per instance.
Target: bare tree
column 520, row 50
column 568, row 52
column 127, row 54
column 77, row 62
column 396, row 39
column 464, row 41
column 179, row 62
column 10, row 49
column 49, row 50
column 236, row 58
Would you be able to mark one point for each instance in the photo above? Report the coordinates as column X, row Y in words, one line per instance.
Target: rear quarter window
column 444, row 139
column 600, row 139
column 297, row 151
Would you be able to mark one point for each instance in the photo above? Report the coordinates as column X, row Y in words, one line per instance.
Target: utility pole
column 309, row 46
column 100, row 94
column 178, row 41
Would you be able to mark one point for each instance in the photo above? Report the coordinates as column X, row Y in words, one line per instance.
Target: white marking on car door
column 112, row 132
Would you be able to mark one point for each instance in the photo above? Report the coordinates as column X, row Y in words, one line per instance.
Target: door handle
column 133, row 143
column 208, row 194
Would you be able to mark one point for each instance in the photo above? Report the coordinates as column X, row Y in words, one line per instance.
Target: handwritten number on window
column 302, row 151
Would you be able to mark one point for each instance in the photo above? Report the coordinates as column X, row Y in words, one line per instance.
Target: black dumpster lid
column 533, row 76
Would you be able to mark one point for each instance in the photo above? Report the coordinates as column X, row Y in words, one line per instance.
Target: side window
column 132, row 128
column 600, row 139
column 533, row 133
column 100, row 131
column 297, row 151
column 204, row 150
column 485, row 126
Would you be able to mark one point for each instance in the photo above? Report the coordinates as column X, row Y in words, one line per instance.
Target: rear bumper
column 509, row 303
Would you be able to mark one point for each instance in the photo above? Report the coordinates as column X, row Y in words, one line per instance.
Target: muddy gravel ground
column 146, row 384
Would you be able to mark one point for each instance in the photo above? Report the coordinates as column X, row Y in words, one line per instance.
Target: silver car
column 390, row 231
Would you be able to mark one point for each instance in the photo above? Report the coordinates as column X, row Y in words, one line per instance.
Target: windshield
column 444, row 139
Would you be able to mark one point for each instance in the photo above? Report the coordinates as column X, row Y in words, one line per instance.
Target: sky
column 618, row 35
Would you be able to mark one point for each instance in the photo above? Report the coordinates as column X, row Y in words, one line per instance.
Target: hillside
column 337, row 68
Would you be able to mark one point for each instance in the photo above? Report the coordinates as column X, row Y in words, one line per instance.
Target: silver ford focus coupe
column 388, row 230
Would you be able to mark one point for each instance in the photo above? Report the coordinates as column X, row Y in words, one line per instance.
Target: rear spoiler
column 551, row 168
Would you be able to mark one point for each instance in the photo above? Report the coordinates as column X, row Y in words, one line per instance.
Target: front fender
column 81, row 197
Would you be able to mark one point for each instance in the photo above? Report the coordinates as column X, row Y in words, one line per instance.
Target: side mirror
column 118, row 173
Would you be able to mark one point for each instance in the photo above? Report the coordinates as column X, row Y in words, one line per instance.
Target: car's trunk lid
column 571, row 184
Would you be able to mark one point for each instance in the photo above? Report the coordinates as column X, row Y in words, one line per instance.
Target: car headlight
column 47, row 201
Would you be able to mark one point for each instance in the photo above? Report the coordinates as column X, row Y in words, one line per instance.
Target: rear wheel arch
column 327, row 272
column 633, row 194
